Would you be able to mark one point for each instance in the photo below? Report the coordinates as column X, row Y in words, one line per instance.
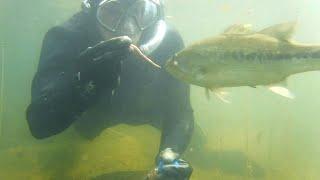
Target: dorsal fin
column 282, row 31
column 239, row 29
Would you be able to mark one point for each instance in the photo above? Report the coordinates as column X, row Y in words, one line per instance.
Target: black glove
column 170, row 167
column 102, row 63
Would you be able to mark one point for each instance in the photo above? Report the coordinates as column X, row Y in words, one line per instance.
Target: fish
column 241, row 56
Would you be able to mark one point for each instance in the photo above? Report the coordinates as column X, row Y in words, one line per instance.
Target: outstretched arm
column 179, row 119
column 177, row 116
column 177, row 130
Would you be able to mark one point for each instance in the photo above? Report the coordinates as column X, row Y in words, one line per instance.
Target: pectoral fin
column 282, row 91
column 222, row 95
column 207, row 93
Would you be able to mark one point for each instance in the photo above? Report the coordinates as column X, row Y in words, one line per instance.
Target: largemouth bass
column 243, row 57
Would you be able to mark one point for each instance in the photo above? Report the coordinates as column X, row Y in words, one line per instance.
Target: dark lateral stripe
column 265, row 56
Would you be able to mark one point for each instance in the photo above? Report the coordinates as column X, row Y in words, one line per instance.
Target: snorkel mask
column 131, row 17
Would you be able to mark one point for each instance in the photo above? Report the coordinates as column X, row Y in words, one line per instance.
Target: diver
column 88, row 77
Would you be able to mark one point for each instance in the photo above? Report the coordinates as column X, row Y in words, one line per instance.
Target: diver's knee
column 41, row 131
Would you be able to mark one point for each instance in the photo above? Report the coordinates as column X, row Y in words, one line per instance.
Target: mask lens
column 116, row 16
column 128, row 27
column 109, row 14
column 145, row 13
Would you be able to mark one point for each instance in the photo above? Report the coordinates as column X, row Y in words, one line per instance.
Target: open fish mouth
column 172, row 67
column 180, row 74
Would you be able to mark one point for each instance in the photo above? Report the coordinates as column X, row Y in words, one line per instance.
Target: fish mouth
column 175, row 71
column 168, row 66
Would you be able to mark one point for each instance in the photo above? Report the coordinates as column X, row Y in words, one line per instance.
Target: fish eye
column 175, row 63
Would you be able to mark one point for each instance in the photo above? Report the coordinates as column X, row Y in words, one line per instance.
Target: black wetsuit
column 144, row 95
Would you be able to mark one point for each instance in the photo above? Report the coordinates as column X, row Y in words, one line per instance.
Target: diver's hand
column 101, row 64
column 170, row 167
column 115, row 48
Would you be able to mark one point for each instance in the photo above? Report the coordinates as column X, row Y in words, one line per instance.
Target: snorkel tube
column 154, row 42
column 159, row 32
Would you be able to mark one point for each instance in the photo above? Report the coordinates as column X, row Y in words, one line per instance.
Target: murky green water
column 258, row 136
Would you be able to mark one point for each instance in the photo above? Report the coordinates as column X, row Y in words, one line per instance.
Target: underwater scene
column 263, row 125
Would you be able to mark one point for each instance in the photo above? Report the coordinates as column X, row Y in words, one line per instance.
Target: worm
column 136, row 51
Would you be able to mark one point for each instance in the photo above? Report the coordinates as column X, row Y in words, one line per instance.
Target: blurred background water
column 258, row 136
